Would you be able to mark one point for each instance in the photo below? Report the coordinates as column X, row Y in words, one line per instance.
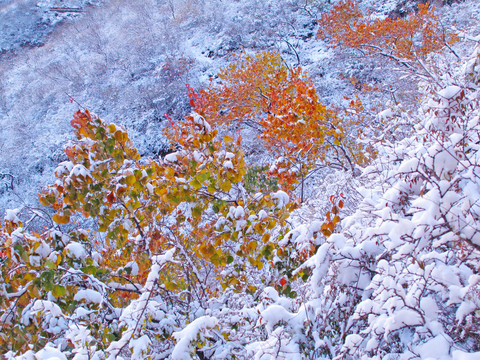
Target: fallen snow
column 76, row 250
column 185, row 337
column 88, row 296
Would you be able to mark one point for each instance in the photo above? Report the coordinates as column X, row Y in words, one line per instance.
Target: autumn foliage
column 123, row 211
column 402, row 39
column 282, row 103
column 135, row 202
column 198, row 254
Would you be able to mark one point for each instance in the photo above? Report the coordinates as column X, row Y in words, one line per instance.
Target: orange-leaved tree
column 406, row 40
column 282, row 103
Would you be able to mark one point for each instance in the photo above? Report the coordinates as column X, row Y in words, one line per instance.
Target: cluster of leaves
column 260, row 91
column 426, row 269
column 401, row 278
column 190, row 255
column 192, row 201
column 405, row 40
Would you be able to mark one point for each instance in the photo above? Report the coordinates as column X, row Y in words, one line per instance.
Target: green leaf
column 19, row 248
column 202, row 176
column 110, row 337
column 266, row 252
column 196, row 184
column 50, row 264
column 48, row 275
column 197, row 211
column 58, row 291
column 89, row 270
column 138, row 174
column 193, row 165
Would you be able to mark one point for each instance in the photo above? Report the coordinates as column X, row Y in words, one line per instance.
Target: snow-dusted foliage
column 400, row 280
column 132, row 59
column 196, row 254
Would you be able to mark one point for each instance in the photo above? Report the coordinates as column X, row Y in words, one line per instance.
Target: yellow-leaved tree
column 119, row 216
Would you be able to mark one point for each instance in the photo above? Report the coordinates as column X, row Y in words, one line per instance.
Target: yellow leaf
column 62, row 220
column 130, row 179
column 169, row 173
column 225, row 186
column 119, row 136
column 251, row 246
column 170, row 286
column 43, row 201
column 196, row 184
column 266, row 237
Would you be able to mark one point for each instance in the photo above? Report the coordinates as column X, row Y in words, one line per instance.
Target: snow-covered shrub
column 400, row 277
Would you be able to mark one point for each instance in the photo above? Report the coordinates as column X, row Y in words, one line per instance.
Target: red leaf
column 111, row 198
column 80, row 119
column 168, row 118
column 283, row 281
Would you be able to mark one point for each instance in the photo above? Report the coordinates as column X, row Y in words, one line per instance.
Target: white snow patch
column 50, row 353
column 89, row 296
column 228, row 165
column 171, row 158
column 461, row 355
column 281, row 198
column 184, row 338
column 11, row 215
column 450, row 91
column 76, row 250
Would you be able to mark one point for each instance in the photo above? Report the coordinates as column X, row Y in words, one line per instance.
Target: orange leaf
column 111, row 198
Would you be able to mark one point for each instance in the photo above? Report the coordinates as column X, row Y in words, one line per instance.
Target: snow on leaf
column 189, row 334
column 88, row 296
column 75, row 250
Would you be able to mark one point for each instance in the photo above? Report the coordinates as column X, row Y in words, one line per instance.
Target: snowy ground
column 27, row 23
column 21, row 25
